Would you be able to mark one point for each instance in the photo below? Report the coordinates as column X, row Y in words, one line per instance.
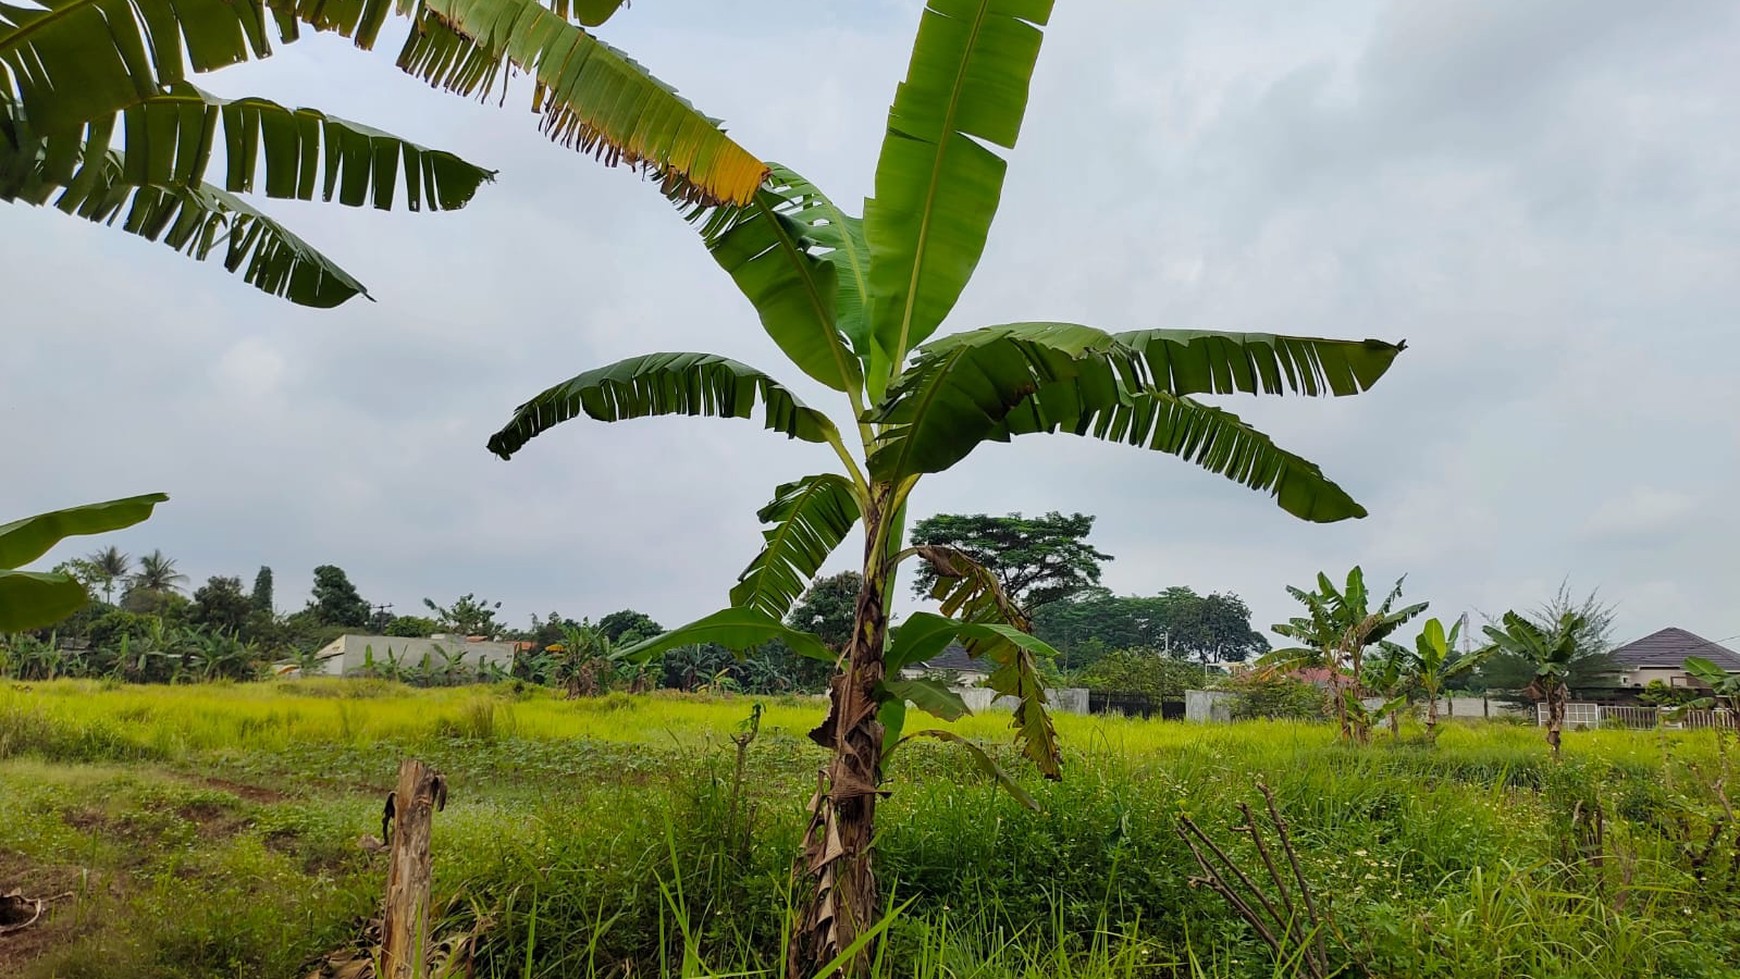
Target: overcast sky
column 1543, row 199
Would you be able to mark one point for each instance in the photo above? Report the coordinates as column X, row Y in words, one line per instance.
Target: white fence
column 1599, row 715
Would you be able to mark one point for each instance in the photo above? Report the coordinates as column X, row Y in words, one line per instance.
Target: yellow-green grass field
column 212, row 830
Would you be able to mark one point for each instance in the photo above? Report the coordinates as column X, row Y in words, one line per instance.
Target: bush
column 1269, row 695
column 1144, row 672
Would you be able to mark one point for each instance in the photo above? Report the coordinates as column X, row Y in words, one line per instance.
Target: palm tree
column 110, row 565
column 1337, row 627
column 1552, row 651
column 1434, row 662
column 156, row 574
column 852, row 303
column 91, row 122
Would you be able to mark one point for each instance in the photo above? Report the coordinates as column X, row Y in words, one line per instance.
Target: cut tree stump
column 422, row 791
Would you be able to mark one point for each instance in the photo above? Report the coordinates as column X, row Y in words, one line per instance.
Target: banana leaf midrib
column 898, row 355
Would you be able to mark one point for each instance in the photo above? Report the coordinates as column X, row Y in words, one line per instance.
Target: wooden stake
column 405, row 926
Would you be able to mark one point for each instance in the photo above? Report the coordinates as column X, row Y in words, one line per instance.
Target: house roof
column 1670, row 647
column 954, row 658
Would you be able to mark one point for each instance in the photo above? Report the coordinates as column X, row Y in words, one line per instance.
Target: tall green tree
column 856, row 304
column 336, row 601
column 827, row 608
column 261, row 597
column 1178, row 622
column 109, row 565
column 156, row 574
column 1338, row 626
column 33, row 599
column 98, row 115
column 1037, row 560
column 221, row 605
column 627, row 626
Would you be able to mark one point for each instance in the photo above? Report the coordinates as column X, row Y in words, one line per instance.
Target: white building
column 348, row 654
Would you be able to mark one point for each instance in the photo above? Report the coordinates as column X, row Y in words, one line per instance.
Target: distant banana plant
column 97, row 116
column 855, row 303
column 1551, row 651
column 1338, row 626
column 1386, row 676
column 1434, row 663
column 33, row 599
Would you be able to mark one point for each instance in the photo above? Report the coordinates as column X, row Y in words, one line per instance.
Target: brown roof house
column 1662, row 656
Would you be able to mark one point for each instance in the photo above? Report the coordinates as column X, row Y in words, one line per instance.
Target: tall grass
column 628, row 835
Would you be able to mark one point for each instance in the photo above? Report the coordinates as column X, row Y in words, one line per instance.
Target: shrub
column 1270, row 695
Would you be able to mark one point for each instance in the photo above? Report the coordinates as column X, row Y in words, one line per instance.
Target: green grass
column 211, row 831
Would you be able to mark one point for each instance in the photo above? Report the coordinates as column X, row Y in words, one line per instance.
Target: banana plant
column 1724, row 686
column 1552, row 651
column 33, row 599
column 1434, row 662
column 1387, row 677
column 1338, row 626
column 99, row 117
column 856, row 304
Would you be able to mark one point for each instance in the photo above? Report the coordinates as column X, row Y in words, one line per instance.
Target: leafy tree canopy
column 627, row 627
column 221, row 604
column 828, row 607
column 412, row 626
column 468, row 615
column 261, row 597
column 1038, row 560
column 1143, row 672
column 336, row 601
column 1177, row 621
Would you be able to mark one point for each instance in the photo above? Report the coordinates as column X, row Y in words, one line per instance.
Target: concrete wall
column 1215, row 706
column 347, row 654
column 1208, row 706
column 1065, row 700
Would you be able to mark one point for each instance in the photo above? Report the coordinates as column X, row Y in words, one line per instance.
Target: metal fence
column 1641, row 718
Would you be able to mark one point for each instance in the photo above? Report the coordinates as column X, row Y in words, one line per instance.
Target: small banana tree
column 99, row 117
column 1387, row 677
column 33, row 599
column 1552, row 650
column 856, row 304
column 1338, row 626
column 1434, row 662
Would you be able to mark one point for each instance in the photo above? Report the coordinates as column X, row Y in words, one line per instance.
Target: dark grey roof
column 954, row 658
column 1670, row 647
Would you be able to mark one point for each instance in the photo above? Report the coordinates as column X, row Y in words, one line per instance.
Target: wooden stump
column 405, row 925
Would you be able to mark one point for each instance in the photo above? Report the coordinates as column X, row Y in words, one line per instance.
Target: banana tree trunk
column 836, row 853
column 1555, row 715
column 1432, row 717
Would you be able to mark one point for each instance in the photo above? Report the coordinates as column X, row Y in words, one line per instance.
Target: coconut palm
column 109, row 565
column 156, row 574
column 856, row 304
column 1552, row 650
column 97, row 115
column 33, row 599
column 1338, row 626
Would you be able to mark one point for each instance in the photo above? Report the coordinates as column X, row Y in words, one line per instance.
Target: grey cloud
column 1539, row 197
